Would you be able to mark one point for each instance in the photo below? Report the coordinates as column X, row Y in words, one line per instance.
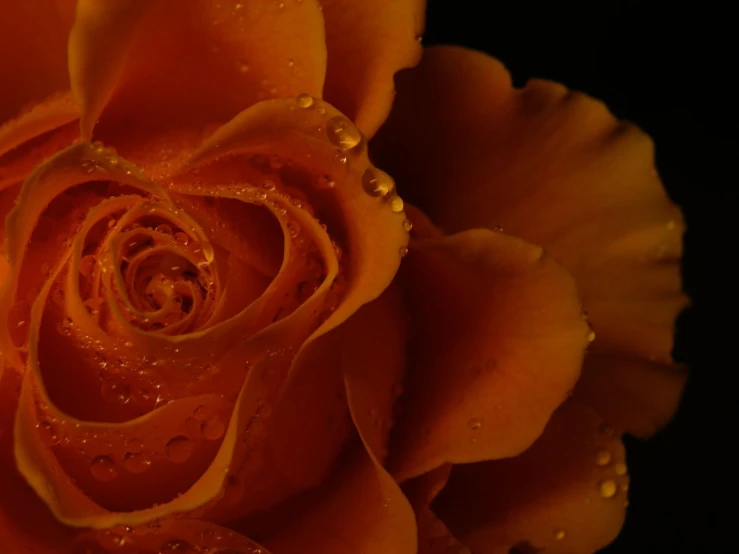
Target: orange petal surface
column 557, row 169
column 368, row 42
column 498, row 340
column 198, row 64
column 361, row 509
column 565, row 495
column 33, row 42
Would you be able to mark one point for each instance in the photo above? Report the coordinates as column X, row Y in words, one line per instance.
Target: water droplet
column 407, row 225
column 603, row 457
column 48, row 433
column 396, row 204
column 559, row 534
column 103, row 469
column 474, row 424
column 182, row 238
column 213, row 429
column 136, row 462
column 607, row 488
column 620, row 468
column 671, row 225
column 179, row 449
column 110, row 540
column 326, row 182
column 590, row 336
column 87, row 265
column 376, row 182
column 164, row 228
column 115, row 392
column 606, row 429
column 65, row 327
column 403, row 251
column 304, row 100
column 58, row 297
column 343, row 133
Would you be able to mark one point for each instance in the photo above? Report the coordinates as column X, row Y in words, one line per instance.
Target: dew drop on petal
column 87, row 265
column 407, row 225
column 179, row 449
column 376, row 182
column 396, row 204
column 606, row 429
column 304, row 100
column 213, row 429
column 474, row 424
column 559, row 534
column 103, row 469
column 136, row 462
column 603, row 457
column 182, row 238
column 607, row 488
column 342, row 133
column 620, row 468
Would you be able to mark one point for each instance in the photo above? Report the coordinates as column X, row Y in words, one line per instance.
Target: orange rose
column 209, row 341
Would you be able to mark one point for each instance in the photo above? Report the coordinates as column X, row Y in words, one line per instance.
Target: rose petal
column 372, row 347
column 25, row 522
column 565, row 494
column 368, row 42
column 33, row 40
column 433, row 536
column 50, row 474
column 374, row 232
column 360, row 510
column 151, row 64
column 557, row 169
column 498, row 343
column 171, row 535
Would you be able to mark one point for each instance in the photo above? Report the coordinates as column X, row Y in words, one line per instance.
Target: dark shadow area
column 667, row 69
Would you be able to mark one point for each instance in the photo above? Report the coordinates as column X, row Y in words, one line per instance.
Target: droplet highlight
column 179, row 449
column 103, row 469
column 377, row 183
column 603, row 457
column 607, row 488
column 304, row 100
column 342, row 133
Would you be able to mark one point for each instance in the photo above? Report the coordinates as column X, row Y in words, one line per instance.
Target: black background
column 668, row 69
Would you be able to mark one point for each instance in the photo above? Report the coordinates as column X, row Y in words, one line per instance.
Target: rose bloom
column 223, row 330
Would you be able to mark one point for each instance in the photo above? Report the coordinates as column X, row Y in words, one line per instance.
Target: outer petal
column 555, row 168
column 200, row 63
column 368, row 42
column 565, row 495
column 33, row 64
column 361, row 510
column 433, row 536
column 498, row 343
column 25, row 522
